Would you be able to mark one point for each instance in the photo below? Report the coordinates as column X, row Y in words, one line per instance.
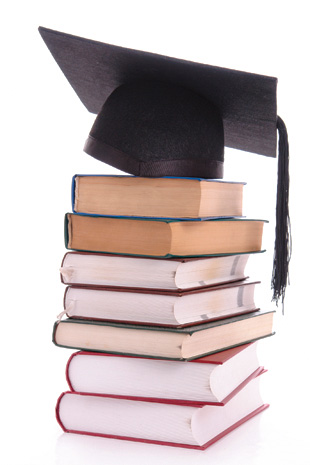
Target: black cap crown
column 153, row 128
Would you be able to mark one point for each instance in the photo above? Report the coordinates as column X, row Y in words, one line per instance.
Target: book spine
column 73, row 192
column 66, row 235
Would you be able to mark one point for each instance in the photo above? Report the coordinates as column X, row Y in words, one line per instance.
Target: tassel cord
column 283, row 239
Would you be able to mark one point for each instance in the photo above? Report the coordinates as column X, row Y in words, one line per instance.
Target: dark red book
column 179, row 274
column 160, row 307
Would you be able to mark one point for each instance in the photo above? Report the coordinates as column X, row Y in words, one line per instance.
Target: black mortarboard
column 161, row 116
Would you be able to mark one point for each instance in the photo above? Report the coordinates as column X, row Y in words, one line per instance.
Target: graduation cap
column 162, row 116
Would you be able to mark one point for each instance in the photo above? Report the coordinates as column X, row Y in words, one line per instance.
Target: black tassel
column 283, row 242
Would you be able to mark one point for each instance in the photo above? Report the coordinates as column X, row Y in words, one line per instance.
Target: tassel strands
column 283, row 241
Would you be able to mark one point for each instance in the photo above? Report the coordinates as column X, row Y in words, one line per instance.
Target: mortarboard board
column 162, row 116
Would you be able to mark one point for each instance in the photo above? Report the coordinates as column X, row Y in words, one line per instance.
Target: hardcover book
column 162, row 342
column 98, row 269
column 167, row 424
column 213, row 379
column 160, row 307
column 162, row 238
column 155, row 197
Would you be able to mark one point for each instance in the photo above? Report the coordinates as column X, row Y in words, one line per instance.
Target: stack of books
column 159, row 305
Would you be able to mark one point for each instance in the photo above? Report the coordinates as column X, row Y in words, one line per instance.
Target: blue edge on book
column 149, row 217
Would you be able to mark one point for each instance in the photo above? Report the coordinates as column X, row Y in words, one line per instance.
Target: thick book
column 160, row 307
column 162, row 238
column 213, row 379
column 166, row 424
column 98, row 269
column 162, row 342
column 156, row 197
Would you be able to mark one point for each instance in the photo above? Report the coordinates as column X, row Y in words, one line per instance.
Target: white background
column 44, row 127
